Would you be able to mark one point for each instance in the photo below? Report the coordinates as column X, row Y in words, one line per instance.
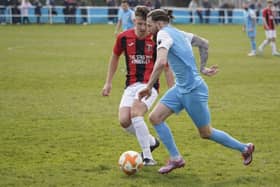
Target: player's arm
column 112, row 68
column 118, row 27
column 254, row 18
column 119, row 23
column 254, row 23
column 159, row 66
column 264, row 21
column 168, row 76
column 203, row 46
column 243, row 27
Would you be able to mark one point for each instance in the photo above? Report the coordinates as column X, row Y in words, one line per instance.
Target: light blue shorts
column 195, row 103
column 251, row 34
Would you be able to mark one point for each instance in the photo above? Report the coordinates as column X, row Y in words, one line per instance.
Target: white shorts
column 131, row 93
column 270, row 34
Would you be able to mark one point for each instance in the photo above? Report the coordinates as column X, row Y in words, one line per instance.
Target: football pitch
column 57, row 130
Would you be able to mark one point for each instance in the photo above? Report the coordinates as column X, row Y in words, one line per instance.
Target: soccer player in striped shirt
column 140, row 53
column 270, row 29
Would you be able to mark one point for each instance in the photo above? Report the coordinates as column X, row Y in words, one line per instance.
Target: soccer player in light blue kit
column 125, row 17
column 250, row 23
column 190, row 91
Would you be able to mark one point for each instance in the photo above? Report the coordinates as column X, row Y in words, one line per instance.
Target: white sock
column 264, row 43
column 273, row 47
column 142, row 134
column 152, row 140
column 130, row 129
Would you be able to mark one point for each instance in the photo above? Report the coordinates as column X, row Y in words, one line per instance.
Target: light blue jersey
column 190, row 91
column 250, row 22
column 180, row 57
column 127, row 18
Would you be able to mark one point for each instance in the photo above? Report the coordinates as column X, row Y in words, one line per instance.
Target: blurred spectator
column 112, row 11
column 66, row 12
column 52, row 11
column 157, row 4
column 207, row 6
column 84, row 12
column 149, row 4
column 133, row 3
column 230, row 12
column 259, row 7
column 37, row 10
column 277, row 12
column 194, row 8
column 223, row 9
column 25, row 5
column 3, row 6
column 141, row 2
column 72, row 12
column 15, row 9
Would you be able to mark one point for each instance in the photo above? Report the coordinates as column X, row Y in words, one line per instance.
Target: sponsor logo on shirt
column 140, row 59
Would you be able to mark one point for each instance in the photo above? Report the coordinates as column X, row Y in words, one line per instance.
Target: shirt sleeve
column 132, row 15
column 118, row 47
column 252, row 14
column 264, row 13
column 164, row 40
column 120, row 13
column 188, row 36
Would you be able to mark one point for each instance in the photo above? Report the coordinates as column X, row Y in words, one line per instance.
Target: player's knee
column 135, row 113
column 154, row 119
column 125, row 122
column 205, row 132
column 138, row 109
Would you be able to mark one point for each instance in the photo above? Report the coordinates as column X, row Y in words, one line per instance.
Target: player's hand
column 213, row 70
column 144, row 93
column 106, row 89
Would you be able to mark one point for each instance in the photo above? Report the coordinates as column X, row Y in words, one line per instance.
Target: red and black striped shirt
column 268, row 16
column 140, row 56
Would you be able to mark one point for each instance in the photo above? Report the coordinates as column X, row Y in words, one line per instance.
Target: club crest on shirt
column 149, row 47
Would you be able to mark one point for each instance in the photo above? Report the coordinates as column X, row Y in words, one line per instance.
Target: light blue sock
column 253, row 44
column 225, row 139
column 167, row 139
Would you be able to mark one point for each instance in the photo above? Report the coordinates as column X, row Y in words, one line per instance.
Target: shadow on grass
column 150, row 177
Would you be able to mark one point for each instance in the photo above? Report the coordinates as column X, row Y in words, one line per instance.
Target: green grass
column 57, row 130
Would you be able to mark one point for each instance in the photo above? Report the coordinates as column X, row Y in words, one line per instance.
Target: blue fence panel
column 100, row 15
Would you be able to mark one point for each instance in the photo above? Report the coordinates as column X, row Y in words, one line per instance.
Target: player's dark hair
column 161, row 15
column 141, row 11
